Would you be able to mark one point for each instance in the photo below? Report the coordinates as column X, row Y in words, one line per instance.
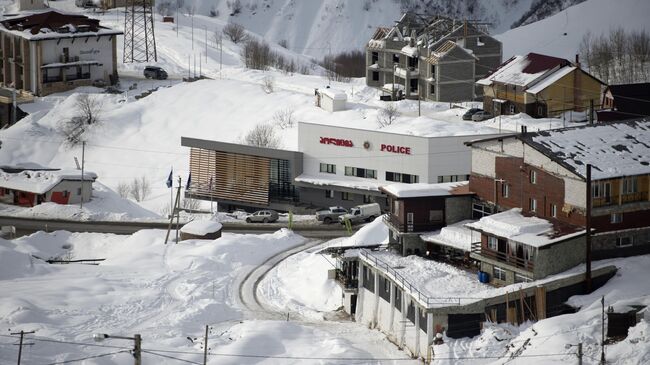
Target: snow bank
column 201, row 227
column 373, row 233
column 454, row 235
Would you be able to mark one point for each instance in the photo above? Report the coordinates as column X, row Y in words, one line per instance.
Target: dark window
column 432, row 89
column 328, row 168
column 433, row 72
column 367, row 199
column 280, row 186
column 553, row 210
column 375, row 57
column 345, row 196
column 359, row 172
column 499, row 273
column 413, row 62
column 533, row 177
column 616, row 218
column 533, row 204
column 368, row 279
column 395, row 58
column 375, row 76
column 329, row 194
column 399, row 177
column 624, row 242
column 398, row 299
column 414, row 85
column 505, row 190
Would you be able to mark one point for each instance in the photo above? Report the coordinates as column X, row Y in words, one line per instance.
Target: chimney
column 577, row 60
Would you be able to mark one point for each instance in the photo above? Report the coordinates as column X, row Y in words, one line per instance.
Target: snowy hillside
column 560, row 34
column 317, row 28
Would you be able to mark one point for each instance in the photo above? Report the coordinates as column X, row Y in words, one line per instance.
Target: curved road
column 248, row 286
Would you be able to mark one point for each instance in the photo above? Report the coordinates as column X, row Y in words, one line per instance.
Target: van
column 362, row 213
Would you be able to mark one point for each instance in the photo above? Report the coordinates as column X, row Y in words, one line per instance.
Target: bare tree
column 235, row 7
column 387, row 115
column 268, row 84
column 140, row 188
column 87, row 113
column 235, row 32
column 262, row 135
column 191, row 203
column 257, row 55
column 284, row 118
column 123, row 189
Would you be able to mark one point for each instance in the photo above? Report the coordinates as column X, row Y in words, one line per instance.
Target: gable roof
column 524, row 71
column 42, row 181
column 631, row 99
column 55, row 24
column 444, row 49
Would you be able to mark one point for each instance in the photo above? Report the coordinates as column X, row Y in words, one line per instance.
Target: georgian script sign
column 396, row 149
column 336, row 141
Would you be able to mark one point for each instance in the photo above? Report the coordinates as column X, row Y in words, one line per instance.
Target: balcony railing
column 408, row 72
column 347, row 283
column 515, row 261
column 625, row 198
column 392, row 220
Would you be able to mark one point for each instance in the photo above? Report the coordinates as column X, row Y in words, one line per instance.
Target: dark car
column 468, row 114
column 155, row 72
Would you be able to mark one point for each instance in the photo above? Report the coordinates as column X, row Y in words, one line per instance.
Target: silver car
column 481, row 116
column 262, row 216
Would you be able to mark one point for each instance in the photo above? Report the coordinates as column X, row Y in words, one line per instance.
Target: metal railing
column 638, row 196
column 400, row 280
column 528, row 265
column 392, row 220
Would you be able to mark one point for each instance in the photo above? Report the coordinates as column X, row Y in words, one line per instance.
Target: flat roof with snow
column 455, row 235
column 402, row 190
column 532, row 231
column 334, row 94
column 40, row 182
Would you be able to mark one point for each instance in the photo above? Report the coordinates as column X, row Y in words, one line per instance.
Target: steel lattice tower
column 139, row 39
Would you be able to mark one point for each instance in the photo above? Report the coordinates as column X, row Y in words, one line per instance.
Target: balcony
column 640, row 196
column 407, row 73
column 392, row 221
column 515, row 261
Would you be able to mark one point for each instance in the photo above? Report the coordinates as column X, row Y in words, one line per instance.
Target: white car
column 362, row 213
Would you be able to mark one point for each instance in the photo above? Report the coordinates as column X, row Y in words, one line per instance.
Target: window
column 616, row 218
column 367, row 199
column 505, row 190
column 396, row 206
column 624, row 241
column 522, row 279
column 493, row 243
column 533, row 204
column 512, row 108
column 452, row 178
column 359, row 172
column 375, row 76
column 533, row 177
column 540, row 111
column 499, row 273
column 375, row 57
column 433, row 72
column 66, row 193
column 345, row 195
column 395, row 58
column 413, row 62
column 399, row 177
column 328, row 168
column 629, row 185
column 78, row 191
column 409, row 218
column 435, row 216
column 553, row 210
column 329, row 194
column 432, row 89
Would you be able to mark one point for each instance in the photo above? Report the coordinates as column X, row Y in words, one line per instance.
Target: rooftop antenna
column 139, row 39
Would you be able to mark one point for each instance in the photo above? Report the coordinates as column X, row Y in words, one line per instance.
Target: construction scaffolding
column 139, row 38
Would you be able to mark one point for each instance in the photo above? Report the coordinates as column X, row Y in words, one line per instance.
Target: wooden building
column 626, row 101
column 540, row 86
column 419, row 208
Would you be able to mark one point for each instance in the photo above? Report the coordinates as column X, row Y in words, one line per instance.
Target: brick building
column 544, row 175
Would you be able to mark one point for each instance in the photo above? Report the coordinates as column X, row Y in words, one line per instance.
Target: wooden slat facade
column 239, row 177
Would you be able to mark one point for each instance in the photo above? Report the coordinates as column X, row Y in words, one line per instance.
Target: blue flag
column 189, row 181
column 169, row 179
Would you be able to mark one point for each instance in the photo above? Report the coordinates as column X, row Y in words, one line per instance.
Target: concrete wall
column 73, row 188
column 560, row 257
column 458, row 209
column 316, row 197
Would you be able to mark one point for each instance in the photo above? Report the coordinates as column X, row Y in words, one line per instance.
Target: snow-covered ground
column 163, row 292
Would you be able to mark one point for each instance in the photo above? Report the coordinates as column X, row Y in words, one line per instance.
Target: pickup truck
column 362, row 213
column 330, row 215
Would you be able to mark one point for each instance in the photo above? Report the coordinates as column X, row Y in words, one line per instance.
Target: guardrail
column 426, row 300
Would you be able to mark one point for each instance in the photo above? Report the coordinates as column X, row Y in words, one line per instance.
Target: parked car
column 362, row 213
column 469, row 113
column 155, row 72
column 262, row 216
column 481, row 116
column 330, row 215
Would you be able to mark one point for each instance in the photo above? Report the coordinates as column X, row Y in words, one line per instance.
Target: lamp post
column 579, row 353
column 137, row 344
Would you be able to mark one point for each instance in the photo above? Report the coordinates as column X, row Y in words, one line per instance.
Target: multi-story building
column 539, row 86
column 544, row 174
column 434, row 58
column 48, row 52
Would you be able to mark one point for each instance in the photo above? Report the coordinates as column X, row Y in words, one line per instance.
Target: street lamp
column 579, row 354
column 137, row 344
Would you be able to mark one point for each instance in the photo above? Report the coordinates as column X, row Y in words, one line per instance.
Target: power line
column 172, row 357
column 87, row 358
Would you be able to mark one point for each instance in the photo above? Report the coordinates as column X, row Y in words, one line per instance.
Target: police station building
column 333, row 166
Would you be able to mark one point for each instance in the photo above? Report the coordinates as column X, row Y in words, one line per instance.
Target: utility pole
column 588, row 227
column 220, row 54
column 192, row 16
column 591, row 111
column 13, row 116
column 189, row 67
column 580, row 353
column 175, row 213
column 602, row 332
column 83, row 161
column 205, row 346
column 137, row 349
column 20, row 344
column 206, row 45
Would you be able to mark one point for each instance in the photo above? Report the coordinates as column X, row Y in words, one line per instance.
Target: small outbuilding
column 203, row 229
column 331, row 100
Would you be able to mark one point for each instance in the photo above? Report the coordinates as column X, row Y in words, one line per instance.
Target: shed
column 202, row 229
column 331, row 100
column 619, row 322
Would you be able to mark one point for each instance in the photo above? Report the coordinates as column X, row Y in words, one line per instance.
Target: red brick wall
column 638, row 219
column 547, row 189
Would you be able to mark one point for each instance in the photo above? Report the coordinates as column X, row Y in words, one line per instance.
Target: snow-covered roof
column 613, row 149
column 70, row 64
column 410, row 51
column 401, row 190
column 40, row 182
column 53, row 24
column 526, row 70
column 201, row 227
column 532, row 231
column 351, row 182
column 444, row 49
column 454, row 235
column 334, row 94
column 550, row 80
